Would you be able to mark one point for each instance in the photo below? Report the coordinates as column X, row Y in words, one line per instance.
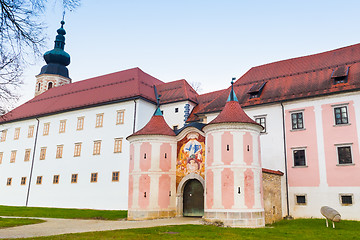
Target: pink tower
column 152, row 171
column 233, row 173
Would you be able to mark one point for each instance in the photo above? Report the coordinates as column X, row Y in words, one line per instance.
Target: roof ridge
column 292, row 74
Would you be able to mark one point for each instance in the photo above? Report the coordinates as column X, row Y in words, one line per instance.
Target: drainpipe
column 134, row 116
column 288, row 216
column 32, row 162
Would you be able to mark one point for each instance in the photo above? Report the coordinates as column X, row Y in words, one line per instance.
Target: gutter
column 32, row 162
column 288, row 216
column 134, row 116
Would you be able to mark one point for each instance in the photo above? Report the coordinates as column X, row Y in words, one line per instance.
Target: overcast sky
column 198, row 40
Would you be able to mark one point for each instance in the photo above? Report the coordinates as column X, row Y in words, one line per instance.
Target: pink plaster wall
column 131, row 163
column 144, row 186
column 165, row 163
column 164, row 189
column 209, row 189
column 248, row 155
column 340, row 175
column 227, row 188
column 210, row 150
column 227, row 157
column 303, row 176
column 249, row 188
column 145, row 163
column 131, row 192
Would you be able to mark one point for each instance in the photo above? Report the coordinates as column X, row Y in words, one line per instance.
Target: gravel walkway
column 56, row 226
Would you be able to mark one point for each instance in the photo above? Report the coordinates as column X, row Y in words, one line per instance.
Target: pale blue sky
column 198, row 40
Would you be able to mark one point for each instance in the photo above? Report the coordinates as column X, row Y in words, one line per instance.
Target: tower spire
column 232, row 95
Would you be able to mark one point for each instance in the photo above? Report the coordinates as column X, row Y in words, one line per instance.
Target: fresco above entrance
column 190, row 156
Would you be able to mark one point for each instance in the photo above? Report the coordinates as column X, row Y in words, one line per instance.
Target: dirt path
column 56, row 226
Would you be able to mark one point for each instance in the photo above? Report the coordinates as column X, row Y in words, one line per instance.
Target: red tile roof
column 265, row 170
column 291, row 79
column 176, row 91
column 232, row 113
column 156, row 126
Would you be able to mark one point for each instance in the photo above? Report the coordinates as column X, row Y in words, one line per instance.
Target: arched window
column 50, row 85
column 39, row 85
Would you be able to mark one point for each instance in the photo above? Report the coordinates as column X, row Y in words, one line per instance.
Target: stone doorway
column 193, row 199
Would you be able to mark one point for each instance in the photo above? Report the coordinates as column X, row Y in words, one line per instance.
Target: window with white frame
column 341, row 115
column 262, row 122
column 344, row 154
column 299, row 157
column 297, row 120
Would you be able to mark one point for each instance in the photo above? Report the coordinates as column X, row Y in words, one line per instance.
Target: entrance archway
column 193, row 199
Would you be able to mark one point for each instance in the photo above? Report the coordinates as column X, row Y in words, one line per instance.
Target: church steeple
column 55, row 72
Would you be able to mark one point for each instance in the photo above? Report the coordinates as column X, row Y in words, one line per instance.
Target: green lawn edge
column 68, row 213
column 14, row 222
column 285, row 229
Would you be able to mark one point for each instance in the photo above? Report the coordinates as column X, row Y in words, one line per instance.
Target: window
column 344, row 155
column 27, row 155
column 17, row 133
column 62, row 126
column 99, row 120
column 162, row 112
column 8, row 181
column 346, row 199
column 299, row 157
column 46, row 129
column 13, row 156
column 340, row 74
column 31, row 131
column 59, row 151
column 39, row 180
column 1, row 156
column 262, row 122
column 80, row 123
column 175, row 127
column 97, row 147
column 42, row 153
column 50, row 85
column 300, row 199
column 23, row 181
column 56, row 179
column 120, row 117
column 176, row 110
column 341, row 115
column 39, row 86
column 118, row 145
column 256, row 89
column 3, row 135
column 94, row 177
column 297, row 121
column 74, row 178
column 115, row 176
column 77, row 150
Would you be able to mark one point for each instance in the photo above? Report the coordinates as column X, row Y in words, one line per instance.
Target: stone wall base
column 146, row 215
column 237, row 219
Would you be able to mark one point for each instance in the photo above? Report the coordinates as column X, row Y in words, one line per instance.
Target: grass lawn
column 286, row 229
column 61, row 213
column 12, row 222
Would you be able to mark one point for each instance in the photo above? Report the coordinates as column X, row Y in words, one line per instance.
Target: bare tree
column 196, row 86
column 21, row 36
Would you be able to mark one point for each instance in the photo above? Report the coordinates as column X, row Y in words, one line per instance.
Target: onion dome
column 232, row 112
column 156, row 126
column 57, row 59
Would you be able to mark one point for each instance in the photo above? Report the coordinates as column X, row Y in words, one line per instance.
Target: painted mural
column 190, row 156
